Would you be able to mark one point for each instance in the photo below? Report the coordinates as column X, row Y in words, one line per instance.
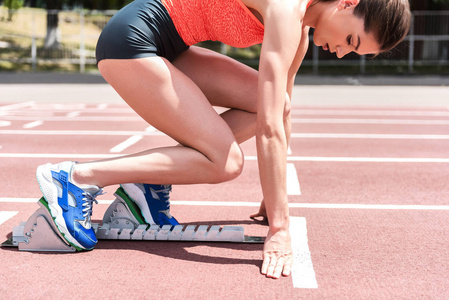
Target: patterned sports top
column 227, row 21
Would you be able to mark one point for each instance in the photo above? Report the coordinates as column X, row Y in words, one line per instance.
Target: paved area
column 95, row 78
column 309, row 90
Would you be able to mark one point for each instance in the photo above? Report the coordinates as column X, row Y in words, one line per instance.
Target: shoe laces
column 165, row 193
column 89, row 200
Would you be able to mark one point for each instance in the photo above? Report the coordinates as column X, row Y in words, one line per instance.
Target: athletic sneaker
column 69, row 204
column 153, row 201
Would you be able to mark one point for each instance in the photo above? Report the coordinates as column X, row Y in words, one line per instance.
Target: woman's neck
column 312, row 14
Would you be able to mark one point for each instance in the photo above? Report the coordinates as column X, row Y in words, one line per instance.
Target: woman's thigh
column 170, row 101
column 224, row 81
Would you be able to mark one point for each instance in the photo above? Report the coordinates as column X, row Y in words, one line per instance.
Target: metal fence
column 25, row 38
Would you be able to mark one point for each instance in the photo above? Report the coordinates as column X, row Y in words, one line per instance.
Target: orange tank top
column 227, row 21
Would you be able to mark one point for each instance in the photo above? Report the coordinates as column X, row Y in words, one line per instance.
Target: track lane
column 356, row 252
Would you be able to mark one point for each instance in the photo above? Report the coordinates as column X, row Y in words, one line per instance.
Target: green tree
column 13, row 6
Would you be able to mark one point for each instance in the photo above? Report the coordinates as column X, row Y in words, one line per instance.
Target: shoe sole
column 50, row 192
column 138, row 197
column 132, row 206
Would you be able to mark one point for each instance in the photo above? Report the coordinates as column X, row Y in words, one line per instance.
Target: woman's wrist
column 279, row 224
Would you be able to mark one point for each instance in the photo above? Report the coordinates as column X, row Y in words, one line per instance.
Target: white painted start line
column 303, row 274
column 6, row 215
column 293, row 187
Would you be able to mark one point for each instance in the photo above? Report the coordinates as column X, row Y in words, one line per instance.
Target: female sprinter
column 145, row 53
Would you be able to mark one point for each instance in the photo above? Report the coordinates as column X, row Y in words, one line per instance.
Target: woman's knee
column 230, row 166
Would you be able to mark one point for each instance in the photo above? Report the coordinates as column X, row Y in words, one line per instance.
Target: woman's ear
column 344, row 4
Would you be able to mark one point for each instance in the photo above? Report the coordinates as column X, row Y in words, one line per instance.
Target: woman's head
column 363, row 26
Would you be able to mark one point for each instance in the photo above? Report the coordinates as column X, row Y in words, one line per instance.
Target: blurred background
column 60, row 35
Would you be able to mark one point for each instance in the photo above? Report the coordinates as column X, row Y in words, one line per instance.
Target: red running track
column 374, row 196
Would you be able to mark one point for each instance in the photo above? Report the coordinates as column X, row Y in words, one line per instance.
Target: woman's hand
column 277, row 254
column 261, row 213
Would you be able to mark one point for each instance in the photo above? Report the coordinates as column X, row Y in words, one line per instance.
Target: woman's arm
column 283, row 28
column 300, row 53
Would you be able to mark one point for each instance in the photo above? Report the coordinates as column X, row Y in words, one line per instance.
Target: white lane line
column 33, row 124
column 16, row 106
column 102, row 106
column 6, row 215
column 370, row 136
column 55, row 155
column 150, row 129
column 5, row 123
column 257, row 204
column 316, row 205
column 303, row 274
column 360, row 159
column 132, row 118
column 62, row 106
column 78, row 132
column 24, row 114
column 357, row 112
column 125, row 144
column 289, row 150
column 364, row 159
column 292, row 180
column 293, row 135
column 369, row 121
column 247, row 158
column 73, row 114
column 74, row 119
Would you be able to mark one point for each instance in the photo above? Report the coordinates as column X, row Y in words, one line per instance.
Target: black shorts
column 143, row 28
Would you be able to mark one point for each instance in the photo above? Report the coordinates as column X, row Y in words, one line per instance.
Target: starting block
column 40, row 233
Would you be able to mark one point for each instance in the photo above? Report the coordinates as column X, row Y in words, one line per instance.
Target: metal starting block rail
column 40, row 233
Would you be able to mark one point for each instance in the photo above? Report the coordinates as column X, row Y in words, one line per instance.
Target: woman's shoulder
column 262, row 6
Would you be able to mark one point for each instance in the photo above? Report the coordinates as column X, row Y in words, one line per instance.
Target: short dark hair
column 388, row 20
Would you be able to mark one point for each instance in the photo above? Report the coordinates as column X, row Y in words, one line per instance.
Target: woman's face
column 339, row 31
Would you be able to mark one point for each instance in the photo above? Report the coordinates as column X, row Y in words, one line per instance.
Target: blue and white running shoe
column 70, row 205
column 153, row 201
